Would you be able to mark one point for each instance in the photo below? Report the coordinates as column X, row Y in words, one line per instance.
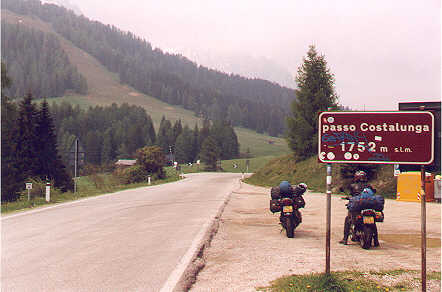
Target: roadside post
column 395, row 137
column 76, row 158
column 328, row 219
column 48, row 191
column 148, row 180
column 29, row 188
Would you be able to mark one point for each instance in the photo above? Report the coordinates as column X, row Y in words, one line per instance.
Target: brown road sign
column 396, row 137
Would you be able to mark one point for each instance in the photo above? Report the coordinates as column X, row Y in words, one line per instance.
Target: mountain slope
column 104, row 88
column 252, row 103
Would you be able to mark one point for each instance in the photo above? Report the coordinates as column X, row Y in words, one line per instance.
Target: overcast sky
column 381, row 52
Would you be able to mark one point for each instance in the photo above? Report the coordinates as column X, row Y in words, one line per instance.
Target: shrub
column 151, row 159
column 133, row 174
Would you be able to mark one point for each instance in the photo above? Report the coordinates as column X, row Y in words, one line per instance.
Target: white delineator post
column 48, row 191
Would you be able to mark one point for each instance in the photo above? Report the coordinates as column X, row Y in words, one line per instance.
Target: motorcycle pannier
column 275, row 192
column 275, row 206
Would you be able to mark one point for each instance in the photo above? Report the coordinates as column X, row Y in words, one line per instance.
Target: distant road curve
column 133, row 240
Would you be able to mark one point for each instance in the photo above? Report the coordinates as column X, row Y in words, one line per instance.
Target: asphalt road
column 132, row 240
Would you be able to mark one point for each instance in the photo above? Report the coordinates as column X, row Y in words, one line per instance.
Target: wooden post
column 328, row 219
column 423, row 231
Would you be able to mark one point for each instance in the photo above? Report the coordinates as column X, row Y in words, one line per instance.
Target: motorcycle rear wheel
column 289, row 227
column 366, row 236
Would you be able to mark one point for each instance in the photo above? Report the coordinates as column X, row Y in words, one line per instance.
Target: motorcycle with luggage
column 366, row 210
column 288, row 201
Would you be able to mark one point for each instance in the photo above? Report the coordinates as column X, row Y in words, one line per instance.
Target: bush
column 151, row 159
column 97, row 180
column 133, row 174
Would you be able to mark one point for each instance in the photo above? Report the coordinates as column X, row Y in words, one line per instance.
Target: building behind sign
column 434, row 107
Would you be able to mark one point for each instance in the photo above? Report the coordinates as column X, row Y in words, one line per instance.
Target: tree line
column 37, row 139
column 115, row 132
column 252, row 103
column 37, row 63
column 28, row 146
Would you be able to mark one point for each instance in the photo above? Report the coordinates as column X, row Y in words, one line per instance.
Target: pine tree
column 183, row 146
column 6, row 81
column 12, row 180
column 108, row 149
column 163, row 132
column 204, row 133
column 210, row 153
column 177, row 130
column 26, row 146
column 195, row 143
column 49, row 162
column 229, row 145
column 315, row 93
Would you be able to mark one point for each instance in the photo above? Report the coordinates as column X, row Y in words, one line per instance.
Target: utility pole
column 75, row 165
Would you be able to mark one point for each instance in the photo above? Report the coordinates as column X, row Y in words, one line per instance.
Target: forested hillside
column 112, row 132
column 251, row 103
column 37, row 63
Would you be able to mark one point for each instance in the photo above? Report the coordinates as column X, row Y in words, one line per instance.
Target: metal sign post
column 423, row 231
column 76, row 159
column 29, row 188
column 75, row 165
column 328, row 219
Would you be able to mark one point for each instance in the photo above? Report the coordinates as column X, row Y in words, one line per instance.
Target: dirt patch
column 410, row 240
column 250, row 249
column 133, row 93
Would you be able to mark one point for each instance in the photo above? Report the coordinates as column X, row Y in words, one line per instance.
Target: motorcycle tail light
column 287, row 202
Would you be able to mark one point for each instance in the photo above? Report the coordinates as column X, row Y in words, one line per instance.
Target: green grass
column 259, row 144
column 313, row 173
column 286, row 168
column 433, row 276
column 343, row 281
column 255, row 164
column 87, row 186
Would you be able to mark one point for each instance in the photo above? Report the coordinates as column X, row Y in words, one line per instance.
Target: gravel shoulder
column 249, row 250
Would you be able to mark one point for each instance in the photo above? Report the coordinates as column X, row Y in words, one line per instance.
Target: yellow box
column 409, row 185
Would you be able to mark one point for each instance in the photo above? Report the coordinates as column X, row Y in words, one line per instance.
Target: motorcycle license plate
column 287, row 209
column 368, row 220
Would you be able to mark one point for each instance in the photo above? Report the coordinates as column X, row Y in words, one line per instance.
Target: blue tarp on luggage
column 366, row 200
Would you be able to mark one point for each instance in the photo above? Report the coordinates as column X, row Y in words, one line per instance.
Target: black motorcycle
column 288, row 205
column 363, row 226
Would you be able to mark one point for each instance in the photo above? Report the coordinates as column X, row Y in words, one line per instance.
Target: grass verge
column 255, row 164
column 86, row 187
column 393, row 280
column 313, row 173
